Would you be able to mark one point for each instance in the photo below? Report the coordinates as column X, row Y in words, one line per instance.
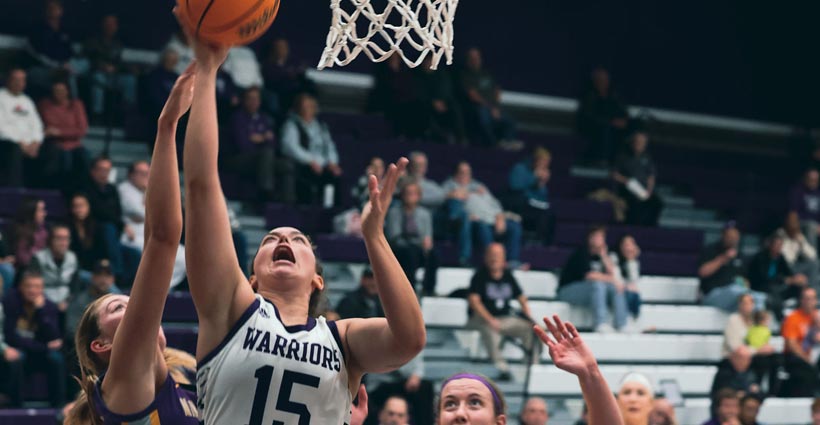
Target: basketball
column 228, row 22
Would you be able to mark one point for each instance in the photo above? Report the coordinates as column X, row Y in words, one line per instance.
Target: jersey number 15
column 264, row 376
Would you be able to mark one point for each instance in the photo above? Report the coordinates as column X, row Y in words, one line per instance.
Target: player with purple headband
column 467, row 398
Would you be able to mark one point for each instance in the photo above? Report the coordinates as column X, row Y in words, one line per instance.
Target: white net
column 423, row 25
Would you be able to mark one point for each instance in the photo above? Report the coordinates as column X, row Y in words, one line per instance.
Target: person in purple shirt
column 32, row 328
column 254, row 145
column 805, row 200
column 128, row 374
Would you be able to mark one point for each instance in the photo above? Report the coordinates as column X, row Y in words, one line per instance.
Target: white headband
column 638, row 378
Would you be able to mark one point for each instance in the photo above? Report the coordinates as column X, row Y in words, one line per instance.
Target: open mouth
column 283, row 253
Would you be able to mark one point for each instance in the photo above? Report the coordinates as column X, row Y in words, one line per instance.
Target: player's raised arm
column 135, row 368
column 218, row 287
column 378, row 345
column 570, row 353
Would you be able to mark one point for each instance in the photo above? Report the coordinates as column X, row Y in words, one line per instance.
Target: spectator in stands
column 364, row 301
column 50, row 47
column 21, row 131
column 433, row 194
column 743, row 367
column 589, row 279
column 395, row 94
column 10, row 360
column 442, row 113
column 32, row 328
column 282, row 76
column 803, row 374
column 529, row 195
column 486, row 215
column 132, row 200
column 534, row 412
column 635, row 174
column 629, row 269
column 252, row 132
column 160, row 80
column 361, row 192
column 58, row 266
column 805, row 200
column 749, row 409
column 181, row 45
column 87, row 240
column 394, row 412
column 602, row 118
column 227, row 96
column 484, row 97
column 769, row 273
column 409, row 229
column 663, row 413
column 799, row 254
column 102, row 283
column 492, row 288
column 307, row 142
column 106, row 209
column 108, row 73
column 721, row 272
column 407, row 381
column 65, row 159
column 635, row 399
column 725, row 408
column 6, row 264
column 29, row 231
column 243, row 67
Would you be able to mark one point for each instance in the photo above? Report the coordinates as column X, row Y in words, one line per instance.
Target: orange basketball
column 228, row 22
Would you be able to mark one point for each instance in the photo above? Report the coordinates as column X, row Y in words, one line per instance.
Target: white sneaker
column 604, row 328
column 631, row 326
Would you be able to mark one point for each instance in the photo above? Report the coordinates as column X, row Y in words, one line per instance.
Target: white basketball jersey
column 266, row 373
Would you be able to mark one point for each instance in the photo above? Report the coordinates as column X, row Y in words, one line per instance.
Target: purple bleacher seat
column 181, row 338
column 341, row 248
column 581, row 210
column 668, row 264
column 28, row 416
column 179, row 307
column 10, row 198
column 545, row 258
column 307, row 218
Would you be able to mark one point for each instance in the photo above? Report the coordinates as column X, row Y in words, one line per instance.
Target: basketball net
column 383, row 38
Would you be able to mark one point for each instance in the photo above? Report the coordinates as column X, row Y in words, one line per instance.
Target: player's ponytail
column 84, row 411
column 181, row 366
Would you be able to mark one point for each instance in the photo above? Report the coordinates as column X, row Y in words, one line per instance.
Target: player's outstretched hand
column 179, row 101
column 208, row 56
column 381, row 194
column 359, row 411
column 568, row 351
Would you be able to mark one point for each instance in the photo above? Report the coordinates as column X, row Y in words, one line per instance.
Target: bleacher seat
column 547, row 380
column 28, row 416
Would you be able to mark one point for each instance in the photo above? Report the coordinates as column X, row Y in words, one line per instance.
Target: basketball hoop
column 423, row 25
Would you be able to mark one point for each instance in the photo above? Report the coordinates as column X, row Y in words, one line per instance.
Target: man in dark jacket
column 769, row 273
column 32, row 328
column 364, row 301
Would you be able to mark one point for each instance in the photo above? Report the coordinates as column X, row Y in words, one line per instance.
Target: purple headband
column 479, row 378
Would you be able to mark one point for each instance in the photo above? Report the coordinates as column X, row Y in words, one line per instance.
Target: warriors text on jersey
column 172, row 405
column 266, row 373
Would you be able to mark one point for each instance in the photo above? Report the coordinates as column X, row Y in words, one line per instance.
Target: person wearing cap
column 102, row 283
column 769, row 273
column 467, row 398
column 721, row 272
column 635, row 399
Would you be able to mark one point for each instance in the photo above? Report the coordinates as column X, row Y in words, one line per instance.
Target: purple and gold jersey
column 173, row 405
